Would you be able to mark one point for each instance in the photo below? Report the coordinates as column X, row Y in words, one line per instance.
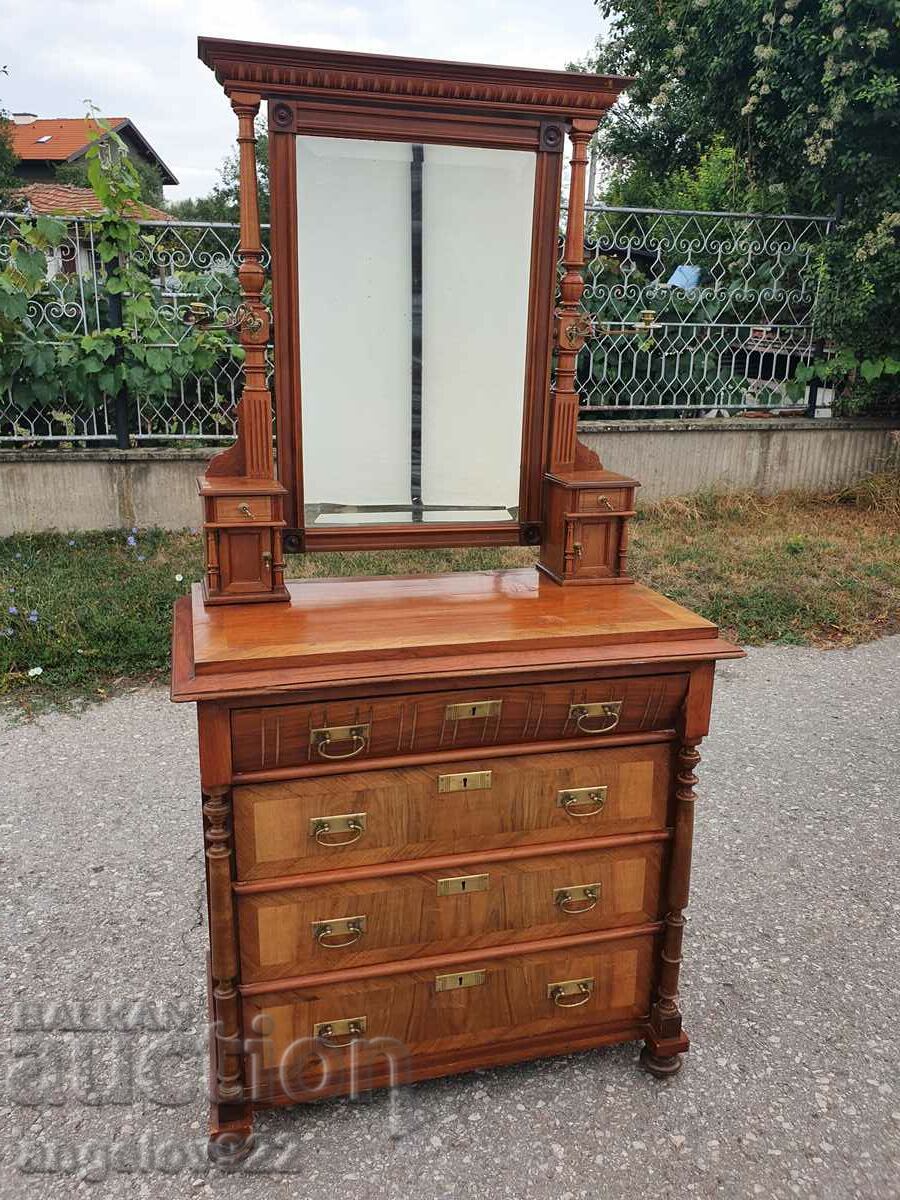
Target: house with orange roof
column 43, row 144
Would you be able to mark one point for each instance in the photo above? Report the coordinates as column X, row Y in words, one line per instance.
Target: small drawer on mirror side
column 612, row 500
column 234, row 508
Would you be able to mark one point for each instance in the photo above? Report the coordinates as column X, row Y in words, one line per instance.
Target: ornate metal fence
column 691, row 311
column 185, row 261
column 695, row 311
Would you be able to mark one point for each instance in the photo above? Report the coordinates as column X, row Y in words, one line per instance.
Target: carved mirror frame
column 374, row 97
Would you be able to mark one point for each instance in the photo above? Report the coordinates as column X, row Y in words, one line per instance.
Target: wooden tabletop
column 345, row 627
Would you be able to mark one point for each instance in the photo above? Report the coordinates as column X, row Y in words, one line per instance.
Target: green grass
column 821, row 570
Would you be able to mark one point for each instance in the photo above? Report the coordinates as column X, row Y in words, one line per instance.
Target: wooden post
column 571, row 326
column 223, row 949
column 243, row 502
column 665, row 1039
column 251, row 455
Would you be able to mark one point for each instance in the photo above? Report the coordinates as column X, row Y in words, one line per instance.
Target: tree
column 222, row 203
column 8, row 160
column 803, row 97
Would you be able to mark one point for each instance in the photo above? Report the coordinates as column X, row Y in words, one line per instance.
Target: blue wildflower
column 33, row 617
column 141, row 557
column 13, row 611
column 131, row 540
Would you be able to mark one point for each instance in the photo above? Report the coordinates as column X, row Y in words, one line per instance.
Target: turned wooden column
column 571, row 326
column 223, row 947
column 665, row 1039
column 251, row 455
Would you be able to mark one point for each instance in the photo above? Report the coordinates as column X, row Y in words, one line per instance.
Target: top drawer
column 287, row 735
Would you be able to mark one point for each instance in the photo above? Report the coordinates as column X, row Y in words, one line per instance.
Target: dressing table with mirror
column 447, row 818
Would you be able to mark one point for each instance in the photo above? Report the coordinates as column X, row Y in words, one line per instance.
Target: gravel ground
column 790, row 985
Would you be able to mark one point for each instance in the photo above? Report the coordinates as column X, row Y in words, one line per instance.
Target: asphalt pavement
column 789, row 988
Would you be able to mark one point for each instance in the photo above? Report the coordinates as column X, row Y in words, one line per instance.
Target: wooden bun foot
column 660, row 1067
column 228, row 1148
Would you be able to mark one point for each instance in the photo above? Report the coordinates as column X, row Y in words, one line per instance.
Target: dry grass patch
column 792, row 568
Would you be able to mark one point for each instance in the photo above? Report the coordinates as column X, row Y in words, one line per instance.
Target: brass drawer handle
column 358, row 735
column 571, row 798
column 603, row 502
column 246, row 511
column 324, row 828
column 329, row 1033
column 608, row 710
column 347, row 931
column 578, row 991
column 575, row 900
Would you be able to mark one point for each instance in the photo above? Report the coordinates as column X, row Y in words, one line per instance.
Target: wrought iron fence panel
column 185, row 262
column 690, row 311
column 65, row 420
column 697, row 310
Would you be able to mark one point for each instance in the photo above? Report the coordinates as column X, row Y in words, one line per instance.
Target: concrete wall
column 99, row 489
column 673, row 458
column 115, row 489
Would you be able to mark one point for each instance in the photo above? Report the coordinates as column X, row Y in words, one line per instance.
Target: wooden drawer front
column 605, row 501
column 511, row 1003
column 236, row 508
column 408, row 916
column 407, row 816
column 291, row 734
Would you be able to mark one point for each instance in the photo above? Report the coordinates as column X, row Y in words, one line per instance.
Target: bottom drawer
column 309, row 1041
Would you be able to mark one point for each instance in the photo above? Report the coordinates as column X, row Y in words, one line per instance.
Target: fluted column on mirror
column 251, row 455
column 571, row 326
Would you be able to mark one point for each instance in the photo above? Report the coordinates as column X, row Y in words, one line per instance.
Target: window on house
column 45, row 138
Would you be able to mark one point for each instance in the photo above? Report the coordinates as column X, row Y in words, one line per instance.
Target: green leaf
column 871, row 368
column 51, row 230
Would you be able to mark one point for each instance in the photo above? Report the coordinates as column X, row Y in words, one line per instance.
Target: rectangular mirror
column 414, row 267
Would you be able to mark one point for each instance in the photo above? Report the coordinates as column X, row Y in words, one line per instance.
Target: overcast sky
column 138, row 58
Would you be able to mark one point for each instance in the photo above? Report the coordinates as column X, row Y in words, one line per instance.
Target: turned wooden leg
column 666, row 1041
column 230, row 1134
column 660, row 1065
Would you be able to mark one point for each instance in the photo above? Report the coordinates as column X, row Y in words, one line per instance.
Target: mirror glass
column 414, row 264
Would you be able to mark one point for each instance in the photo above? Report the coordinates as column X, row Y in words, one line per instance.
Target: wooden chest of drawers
column 441, row 836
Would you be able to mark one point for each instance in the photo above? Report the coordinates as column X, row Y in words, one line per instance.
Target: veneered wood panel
column 405, row 916
column 333, row 622
column 407, row 817
column 595, row 548
column 511, row 1004
column 242, row 562
column 282, row 735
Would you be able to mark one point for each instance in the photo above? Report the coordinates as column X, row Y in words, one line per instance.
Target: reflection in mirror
column 414, row 270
